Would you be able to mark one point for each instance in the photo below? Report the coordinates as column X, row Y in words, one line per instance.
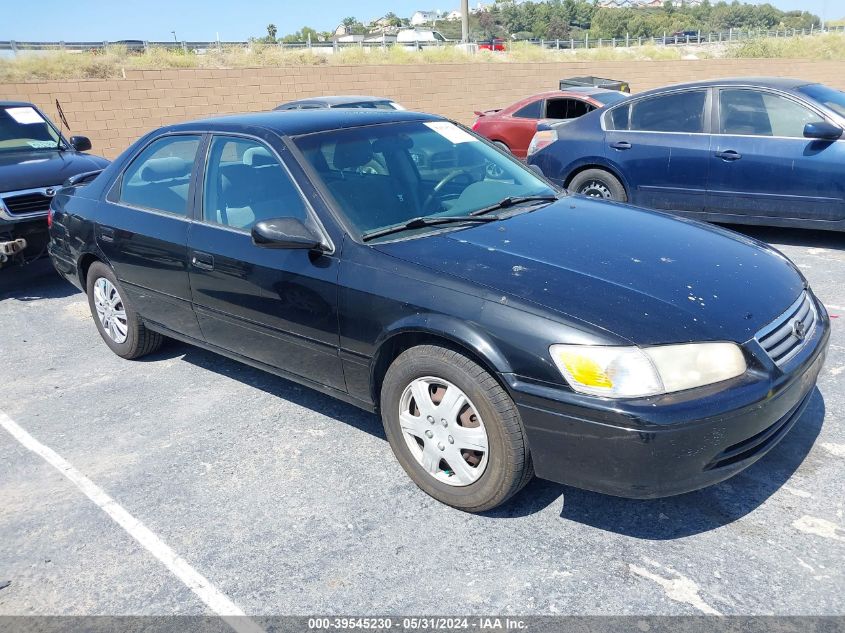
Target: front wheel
column 116, row 320
column 453, row 428
column 598, row 183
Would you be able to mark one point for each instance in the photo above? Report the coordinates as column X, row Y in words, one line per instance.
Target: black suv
column 35, row 159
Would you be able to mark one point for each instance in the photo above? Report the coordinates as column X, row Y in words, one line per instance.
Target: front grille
column 784, row 337
column 27, row 202
column 760, row 442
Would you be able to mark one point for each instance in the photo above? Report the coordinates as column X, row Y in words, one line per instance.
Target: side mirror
column 823, row 131
column 80, row 143
column 285, row 233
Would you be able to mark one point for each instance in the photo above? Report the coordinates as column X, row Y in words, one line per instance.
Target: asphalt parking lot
column 289, row 502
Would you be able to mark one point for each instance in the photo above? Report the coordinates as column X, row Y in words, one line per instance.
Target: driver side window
column 245, row 184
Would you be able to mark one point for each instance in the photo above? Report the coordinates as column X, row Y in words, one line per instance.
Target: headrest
column 352, row 154
column 167, row 168
column 237, row 185
column 258, row 156
column 393, row 143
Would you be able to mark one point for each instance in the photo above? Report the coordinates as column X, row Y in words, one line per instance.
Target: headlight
column 634, row 372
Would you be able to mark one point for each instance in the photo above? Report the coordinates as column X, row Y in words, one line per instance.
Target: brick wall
column 115, row 112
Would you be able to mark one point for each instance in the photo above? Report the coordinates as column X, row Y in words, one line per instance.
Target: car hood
column 645, row 276
column 42, row 168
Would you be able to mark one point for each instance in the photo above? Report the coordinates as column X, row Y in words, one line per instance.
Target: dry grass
column 827, row 46
column 115, row 60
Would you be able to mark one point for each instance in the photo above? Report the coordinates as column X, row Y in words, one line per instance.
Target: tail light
column 542, row 138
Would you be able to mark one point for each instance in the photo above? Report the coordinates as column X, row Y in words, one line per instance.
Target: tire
column 127, row 337
column 502, row 146
column 598, row 183
column 466, row 479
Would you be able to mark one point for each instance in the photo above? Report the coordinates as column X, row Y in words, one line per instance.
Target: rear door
column 143, row 230
column 661, row 145
column 275, row 306
column 522, row 126
column 763, row 166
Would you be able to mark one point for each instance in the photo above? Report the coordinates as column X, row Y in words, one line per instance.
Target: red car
column 494, row 44
column 513, row 127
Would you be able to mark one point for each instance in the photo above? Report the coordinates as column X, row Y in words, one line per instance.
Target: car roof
column 585, row 91
column 296, row 122
column 335, row 100
column 778, row 83
column 15, row 104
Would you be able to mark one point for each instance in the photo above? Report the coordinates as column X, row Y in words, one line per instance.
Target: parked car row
column 750, row 151
column 501, row 326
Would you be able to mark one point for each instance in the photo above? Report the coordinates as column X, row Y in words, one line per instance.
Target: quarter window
column 531, row 111
column 245, row 184
column 681, row 112
column 755, row 113
column 160, row 177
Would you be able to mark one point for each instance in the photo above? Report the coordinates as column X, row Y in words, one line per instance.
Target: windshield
column 607, row 98
column 23, row 128
column 833, row 99
column 384, row 175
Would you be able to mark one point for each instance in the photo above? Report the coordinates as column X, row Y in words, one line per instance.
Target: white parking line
column 192, row 579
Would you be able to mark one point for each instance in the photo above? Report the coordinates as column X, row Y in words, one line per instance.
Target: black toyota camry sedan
column 501, row 328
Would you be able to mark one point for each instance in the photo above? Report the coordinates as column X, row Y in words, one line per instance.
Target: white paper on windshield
column 451, row 132
column 25, row 115
column 41, row 144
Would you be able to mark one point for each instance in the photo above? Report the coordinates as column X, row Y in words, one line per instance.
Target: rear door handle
column 203, row 261
column 729, row 155
column 621, row 145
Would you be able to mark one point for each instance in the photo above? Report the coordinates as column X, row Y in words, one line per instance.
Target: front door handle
column 621, row 145
column 729, row 155
column 203, row 261
column 106, row 234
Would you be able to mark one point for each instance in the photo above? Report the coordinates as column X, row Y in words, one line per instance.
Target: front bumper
column 671, row 444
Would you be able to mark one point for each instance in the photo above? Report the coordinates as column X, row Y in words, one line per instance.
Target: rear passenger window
column 681, row 112
column 159, row 178
column 245, row 184
column 566, row 108
column 531, row 111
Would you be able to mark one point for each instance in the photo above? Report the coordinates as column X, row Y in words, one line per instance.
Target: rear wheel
column 598, row 183
column 453, row 428
column 116, row 320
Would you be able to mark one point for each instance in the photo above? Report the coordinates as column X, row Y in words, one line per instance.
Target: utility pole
column 465, row 21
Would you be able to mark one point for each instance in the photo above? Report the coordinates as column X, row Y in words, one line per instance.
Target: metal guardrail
column 375, row 41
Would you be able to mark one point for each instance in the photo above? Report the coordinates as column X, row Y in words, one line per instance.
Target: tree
column 558, row 29
column 271, row 32
column 486, row 23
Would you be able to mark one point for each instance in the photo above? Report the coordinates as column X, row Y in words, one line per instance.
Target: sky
column 204, row 20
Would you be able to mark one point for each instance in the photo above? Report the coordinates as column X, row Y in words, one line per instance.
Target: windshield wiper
column 510, row 201
column 427, row 220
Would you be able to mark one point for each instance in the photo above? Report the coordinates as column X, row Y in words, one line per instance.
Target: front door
column 275, row 306
column 661, row 147
column 143, row 231
column 762, row 165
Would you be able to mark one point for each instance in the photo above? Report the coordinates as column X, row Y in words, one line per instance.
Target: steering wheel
column 452, row 175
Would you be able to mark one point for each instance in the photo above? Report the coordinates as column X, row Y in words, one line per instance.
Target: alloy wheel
column 110, row 310
column 443, row 431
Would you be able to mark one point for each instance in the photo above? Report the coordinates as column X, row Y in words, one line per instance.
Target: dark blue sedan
column 750, row 151
column 501, row 328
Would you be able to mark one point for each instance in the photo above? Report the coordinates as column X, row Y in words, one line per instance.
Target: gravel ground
column 290, row 502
